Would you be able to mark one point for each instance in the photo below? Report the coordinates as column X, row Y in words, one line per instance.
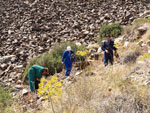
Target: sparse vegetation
column 5, row 100
column 131, row 56
column 29, row 27
column 110, row 91
column 145, row 56
column 141, row 21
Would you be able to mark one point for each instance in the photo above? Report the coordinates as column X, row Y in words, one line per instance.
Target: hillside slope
column 123, row 87
column 29, row 28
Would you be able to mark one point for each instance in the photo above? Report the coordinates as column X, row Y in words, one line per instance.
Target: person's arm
column 103, row 46
column 31, row 79
column 63, row 57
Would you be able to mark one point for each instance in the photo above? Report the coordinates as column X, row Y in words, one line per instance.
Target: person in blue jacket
column 68, row 58
column 35, row 73
column 108, row 47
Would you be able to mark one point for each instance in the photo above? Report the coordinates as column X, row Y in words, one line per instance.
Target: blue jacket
column 68, row 58
column 108, row 46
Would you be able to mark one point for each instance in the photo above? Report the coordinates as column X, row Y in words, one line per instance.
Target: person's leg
column 37, row 84
column 31, row 79
column 105, row 59
column 68, row 69
column 111, row 59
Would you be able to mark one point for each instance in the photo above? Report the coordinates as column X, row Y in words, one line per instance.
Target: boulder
column 3, row 66
column 78, row 73
column 99, row 50
column 24, row 92
column 6, row 58
column 19, row 87
column 137, row 33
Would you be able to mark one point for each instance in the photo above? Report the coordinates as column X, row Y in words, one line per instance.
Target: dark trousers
column 68, row 68
column 37, row 84
column 108, row 57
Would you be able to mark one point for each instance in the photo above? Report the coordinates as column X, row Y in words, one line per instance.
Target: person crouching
column 35, row 74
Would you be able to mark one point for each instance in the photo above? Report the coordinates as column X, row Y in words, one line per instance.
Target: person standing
column 68, row 58
column 108, row 47
column 35, row 73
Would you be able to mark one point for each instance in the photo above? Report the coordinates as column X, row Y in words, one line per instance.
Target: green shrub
column 112, row 29
column 53, row 58
column 5, row 100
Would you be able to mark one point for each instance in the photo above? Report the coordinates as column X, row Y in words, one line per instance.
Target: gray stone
column 6, row 58
column 142, row 29
column 19, row 82
column 24, row 91
column 78, row 73
column 18, row 86
column 19, row 67
column 99, row 50
column 3, row 66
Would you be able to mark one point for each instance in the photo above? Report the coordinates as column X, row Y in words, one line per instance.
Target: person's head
column 69, row 48
column 108, row 37
column 46, row 71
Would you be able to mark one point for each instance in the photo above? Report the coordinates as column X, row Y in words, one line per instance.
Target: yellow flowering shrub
column 82, row 53
column 117, row 44
column 81, row 57
column 50, row 88
column 145, row 56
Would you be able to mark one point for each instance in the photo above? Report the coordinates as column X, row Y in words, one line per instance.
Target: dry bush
column 130, row 56
column 76, row 98
column 5, row 100
column 110, row 91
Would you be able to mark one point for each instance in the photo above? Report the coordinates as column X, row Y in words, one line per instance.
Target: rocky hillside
column 30, row 27
column 123, row 87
